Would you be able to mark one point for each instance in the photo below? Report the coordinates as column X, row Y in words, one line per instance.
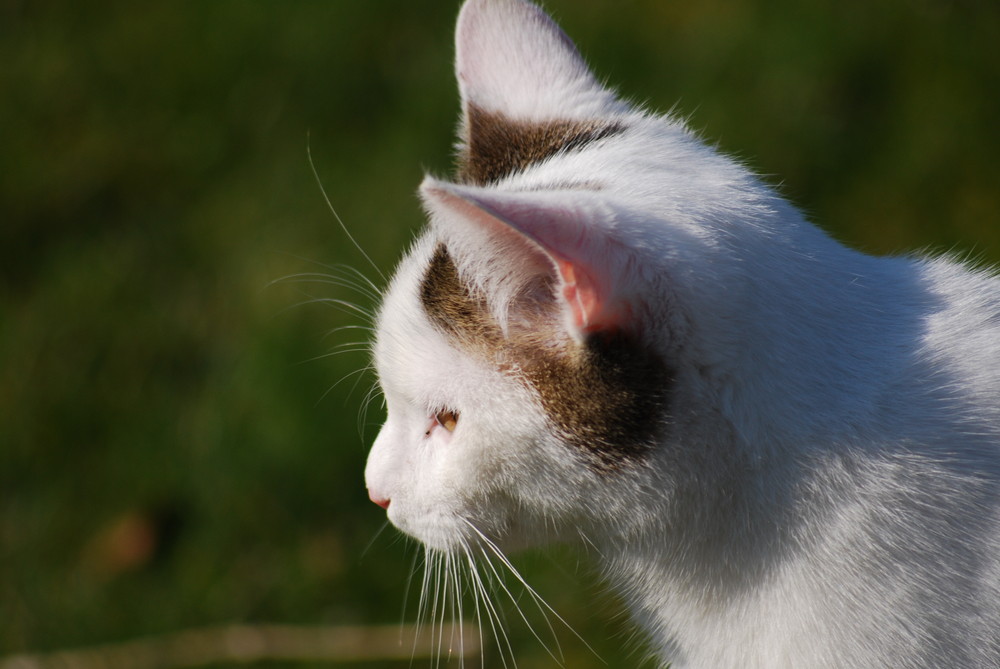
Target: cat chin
column 457, row 532
column 454, row 535
column 437, row 532
column 508, row 543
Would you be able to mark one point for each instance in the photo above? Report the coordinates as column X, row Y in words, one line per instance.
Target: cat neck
column 820, row 412
column 816, row 347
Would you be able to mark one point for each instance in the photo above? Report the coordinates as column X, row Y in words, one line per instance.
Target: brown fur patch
column 451, row 305
column 498, row 146
column 606, row 397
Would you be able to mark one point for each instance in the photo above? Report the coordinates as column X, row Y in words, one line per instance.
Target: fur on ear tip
column 496, row 212
column 440, row 196
column 511, row 57
column 459, row 211
column 431, row 186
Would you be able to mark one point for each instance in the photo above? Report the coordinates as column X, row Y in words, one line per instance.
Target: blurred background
column 178, row 450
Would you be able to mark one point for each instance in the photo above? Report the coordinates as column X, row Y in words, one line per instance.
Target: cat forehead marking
column 606, row 397
column 497, row 146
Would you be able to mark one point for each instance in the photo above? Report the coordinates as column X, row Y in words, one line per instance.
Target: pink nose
column 384, row 503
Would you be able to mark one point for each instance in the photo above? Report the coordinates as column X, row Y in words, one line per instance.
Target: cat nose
column 384, row 503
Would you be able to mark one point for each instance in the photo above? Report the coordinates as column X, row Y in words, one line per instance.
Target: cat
column 783, row 452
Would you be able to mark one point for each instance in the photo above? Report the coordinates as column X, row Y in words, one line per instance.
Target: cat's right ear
column 511, row 58
column 503, row 240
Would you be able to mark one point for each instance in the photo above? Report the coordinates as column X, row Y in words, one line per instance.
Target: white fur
column 829, row 495
column 532, row 80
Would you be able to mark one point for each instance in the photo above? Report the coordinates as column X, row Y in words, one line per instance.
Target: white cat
column 786, row 453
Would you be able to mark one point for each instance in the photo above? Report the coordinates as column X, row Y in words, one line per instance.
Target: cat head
column 552, row 341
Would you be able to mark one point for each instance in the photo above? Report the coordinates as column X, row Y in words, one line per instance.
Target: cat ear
column 512, row 58
column 548, row 232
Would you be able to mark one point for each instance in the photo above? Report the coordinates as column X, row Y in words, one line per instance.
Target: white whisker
column 337, row 271
column 409, row 584
column 492, row 615
column 367, row 290
column 349, row 347
column 520, row 612
column 438, row 604
column 344, row 306
column 357, row 374
column 329, row 204
column 367, row 328
column 371, row 543
column 458, row 611
column 373, row 392
column 425, row 582
column 540, row 602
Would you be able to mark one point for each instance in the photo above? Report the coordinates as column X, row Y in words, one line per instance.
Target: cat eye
column 447, row 419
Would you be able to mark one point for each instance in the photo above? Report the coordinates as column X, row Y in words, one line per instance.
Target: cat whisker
column 366, row 328
column 373, row 392
column 340, row 271
column 492, row 615
column 557, row 656
column 428, row 596
column 436, row 628
column 344, row 349
column 344, row 306
column 422, row 600
column 349, row 271
column 438, row 610
column 357, row 373
column 470, row 563
column 340, row 349
column 457, row 583
column 346, row 277
column 365, row 289
column 409, row 584
column 587, row 541
column 374, row 538
column 438, row 595
column 454, row 603
column 319, row 182
column 539, row 601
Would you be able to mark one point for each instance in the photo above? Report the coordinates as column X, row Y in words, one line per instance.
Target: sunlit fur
column 824, row 489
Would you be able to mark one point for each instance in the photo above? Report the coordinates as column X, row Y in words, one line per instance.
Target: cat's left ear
column 548, row 232
column 511, row 58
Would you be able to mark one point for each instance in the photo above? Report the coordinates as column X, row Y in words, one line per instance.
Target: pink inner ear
column 580, row 295
column 591, row 310
column 559, row 230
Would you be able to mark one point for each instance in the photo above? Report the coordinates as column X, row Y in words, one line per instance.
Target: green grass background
column 174, row 452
